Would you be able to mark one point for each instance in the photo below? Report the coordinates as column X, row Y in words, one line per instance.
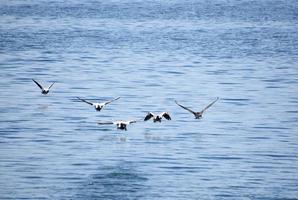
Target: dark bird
column 98, row 106
column 120, row 124
column 44, row 90
column 199, row 114
column 157, row 118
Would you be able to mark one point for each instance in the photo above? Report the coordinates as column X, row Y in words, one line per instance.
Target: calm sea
column 150, row 53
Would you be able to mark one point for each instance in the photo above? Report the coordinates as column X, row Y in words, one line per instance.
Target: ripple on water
column 112, row 182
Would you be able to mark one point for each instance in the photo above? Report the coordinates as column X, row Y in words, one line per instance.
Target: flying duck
column 199, row 114
column 157, row 118
column 43, row 89
column 120, row 124
column 98, row 106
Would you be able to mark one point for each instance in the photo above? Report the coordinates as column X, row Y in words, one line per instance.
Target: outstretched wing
column 85, row 101
column 103, row 123
column 148, row 116
column 107, row 102
column 132, row 121
column 193, row 112
column 166, row 115
column 209, row 105
column 51, row 85
column 38, row 84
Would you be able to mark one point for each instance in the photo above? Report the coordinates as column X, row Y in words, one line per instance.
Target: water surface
column 150, row 54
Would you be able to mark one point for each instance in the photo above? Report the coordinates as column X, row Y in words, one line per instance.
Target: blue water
column 149, row 53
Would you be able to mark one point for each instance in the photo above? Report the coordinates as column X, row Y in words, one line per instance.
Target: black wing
column 107, row 102
column 38, row 84
column 148, row 116
column 51, row 85
column 103, row 123
column 209, row 105
column 193, row 112
column 132, row 121
column 85, row 101
column 166, row 115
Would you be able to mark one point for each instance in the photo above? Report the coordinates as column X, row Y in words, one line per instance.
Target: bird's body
column 198, row 114
column 120, row 124
column 44, row 90
column 98, row 106
column 157, row 118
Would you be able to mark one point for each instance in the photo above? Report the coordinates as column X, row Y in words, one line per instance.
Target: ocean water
column 150, row 53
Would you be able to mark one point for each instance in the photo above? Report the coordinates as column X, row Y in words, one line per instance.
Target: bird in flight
column 198, row 114
column 98, row 106
column 44, row 90
column 157, row 118
column 120, row 124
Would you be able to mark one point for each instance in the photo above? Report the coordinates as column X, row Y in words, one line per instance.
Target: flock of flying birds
column 123, row 124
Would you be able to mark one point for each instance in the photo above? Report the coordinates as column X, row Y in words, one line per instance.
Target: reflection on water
column 150, row 54
column 114, row 182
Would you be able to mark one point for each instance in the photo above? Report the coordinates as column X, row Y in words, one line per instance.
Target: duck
column 157, row 118
column 98, row 106
column 44, row 90
column 122, row 125
column 199, row 114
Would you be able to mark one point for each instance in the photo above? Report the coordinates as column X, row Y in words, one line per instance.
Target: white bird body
column 120, row 124
column 44, row 90
column 98, row 106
